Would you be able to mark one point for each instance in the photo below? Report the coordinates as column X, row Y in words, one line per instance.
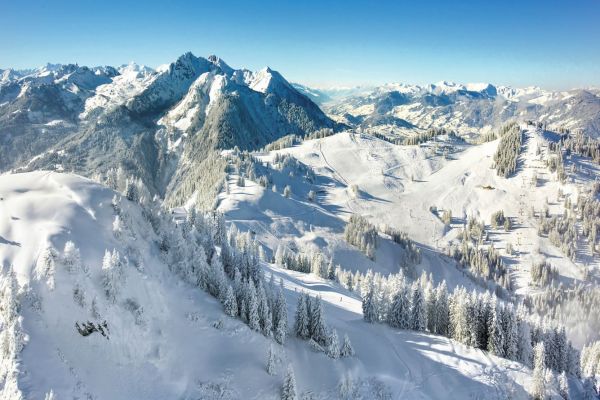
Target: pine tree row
column 309, row 324
column 507, row 154
column 474, row 319
column 361, row 233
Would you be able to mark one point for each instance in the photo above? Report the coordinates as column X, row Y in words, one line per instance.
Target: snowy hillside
column 410, row 188
column 298, row 202
column 158, row 336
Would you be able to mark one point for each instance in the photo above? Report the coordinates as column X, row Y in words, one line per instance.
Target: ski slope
column 399, row 184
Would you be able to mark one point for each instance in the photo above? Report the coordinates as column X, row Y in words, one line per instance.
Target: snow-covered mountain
column 151, row 123
column 465, row 108
column 368, row 258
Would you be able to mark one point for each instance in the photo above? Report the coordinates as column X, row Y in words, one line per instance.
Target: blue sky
column 553, row 44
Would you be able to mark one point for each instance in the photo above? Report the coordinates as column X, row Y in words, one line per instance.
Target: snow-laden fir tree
column 112, row 271
column 347, row 350
column 418, row 313
column 253, row 317
column 442, row 311
column 333, row 347
column 131, row 191
column 368, row 307
column 538, row 389
column 316, row 323
column 509, row 327
column 271, row 361
column 287, row 191
column 71, row 257
column 317, row 264
column 301, row 320
column 430, row 306
column 280, row 318
column 215, row 280
column 524, row 348
column 496, row 339
column 459, row 323
column 289, row 390
column 46, row 266
column 331, row 270
column 280, row 255
column 399, row 314
column 11, row 337
column 264, row 311
column 230, row 304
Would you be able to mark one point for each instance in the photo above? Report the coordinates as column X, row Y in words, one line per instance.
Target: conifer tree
column 509, row 326
column 399, row 315
column 316, row 324
column 347, row 350
column 280, row 318
column 253, row 317
column 46, row 266
column 280, row 255
column 289, row 391
column 496, row 333
column 331, row 270
column 112, row 272
column 271, row 361
column 301, row 320
column 442, row 310
column 71, row 257
column 538, row 391
column 333, row 347
column 317, row 264
column 131, row 190
column 264, row 311
column 524, row 349
column 368, row 307
column 418, row 316
column 230, row 304
column 430, row 306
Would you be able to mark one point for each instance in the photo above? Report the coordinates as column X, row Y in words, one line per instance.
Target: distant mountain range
column 465, row 108
column 155, row 124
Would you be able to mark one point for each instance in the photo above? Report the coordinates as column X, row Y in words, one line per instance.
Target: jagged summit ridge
column 145, row 120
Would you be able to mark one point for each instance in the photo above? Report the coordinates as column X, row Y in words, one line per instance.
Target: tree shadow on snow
column 9, row 242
